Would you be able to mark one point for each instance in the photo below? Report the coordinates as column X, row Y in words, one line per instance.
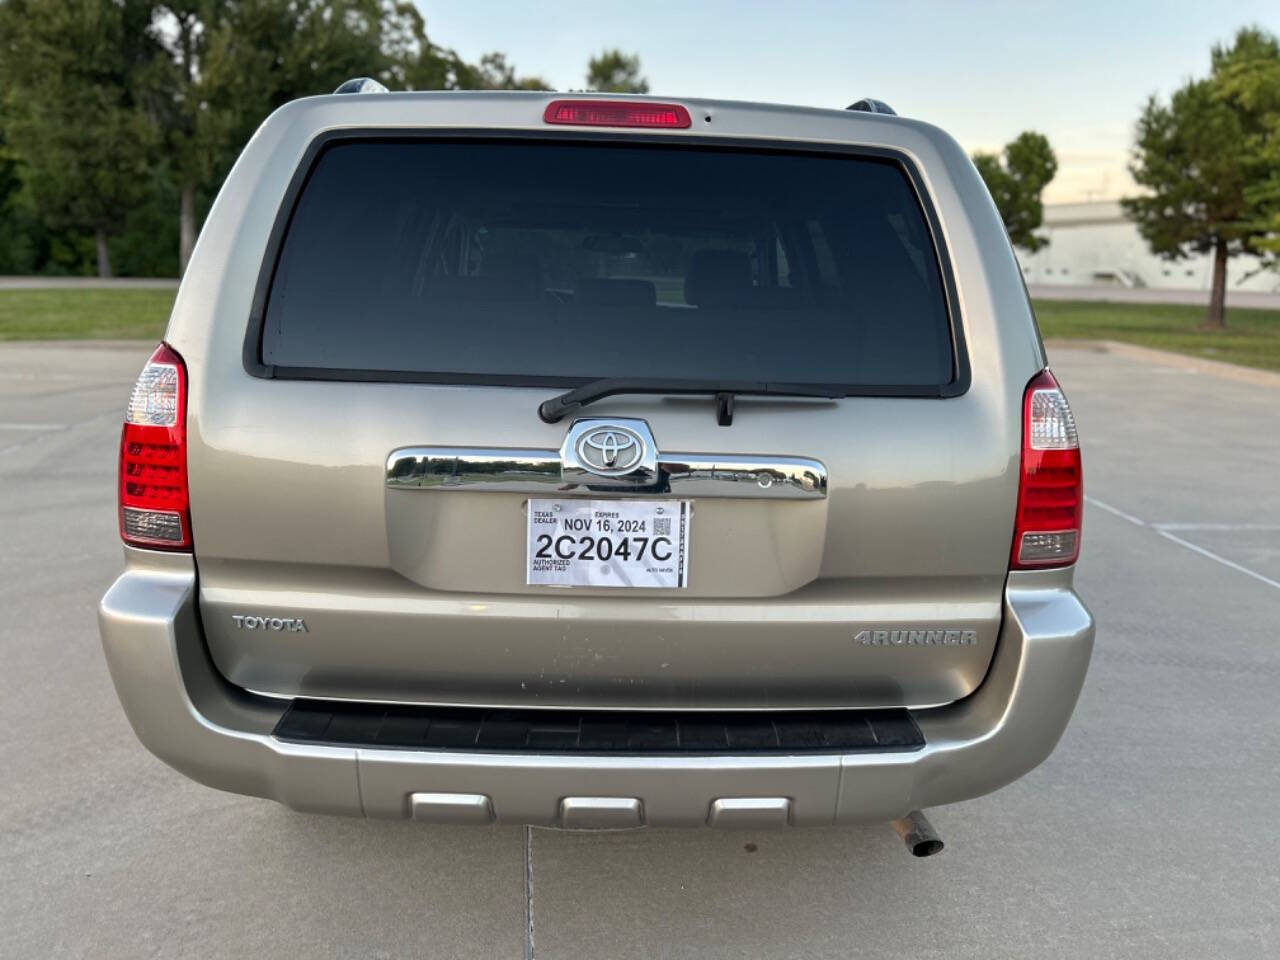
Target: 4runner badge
column 916, row 638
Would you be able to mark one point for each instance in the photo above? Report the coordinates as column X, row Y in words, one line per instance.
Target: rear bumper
column 190, row 717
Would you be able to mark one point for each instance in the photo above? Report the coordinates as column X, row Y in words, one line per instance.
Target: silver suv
column 598, row 463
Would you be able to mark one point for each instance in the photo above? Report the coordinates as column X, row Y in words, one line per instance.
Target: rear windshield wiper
column 557, row 408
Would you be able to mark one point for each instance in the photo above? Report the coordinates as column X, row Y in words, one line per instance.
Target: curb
column 1166, row 358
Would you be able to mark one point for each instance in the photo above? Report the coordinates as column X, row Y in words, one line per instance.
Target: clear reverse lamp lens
column 154, row 402
column 154, row 526
column 1048, row 547
column 1052, row 425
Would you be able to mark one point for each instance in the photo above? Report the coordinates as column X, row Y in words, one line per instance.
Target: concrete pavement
column 1149, row 833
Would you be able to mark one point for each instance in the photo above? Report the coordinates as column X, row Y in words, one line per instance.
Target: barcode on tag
column 662, row 526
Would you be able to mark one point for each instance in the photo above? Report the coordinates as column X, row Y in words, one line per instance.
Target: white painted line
column 1114, row 510
column 1222, row 560
column 33, row 426
column 1223, row 527
column 1164, row 528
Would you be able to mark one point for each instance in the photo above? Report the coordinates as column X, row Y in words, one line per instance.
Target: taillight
column 617, row 113
column 153, row 457
column 1051, row 490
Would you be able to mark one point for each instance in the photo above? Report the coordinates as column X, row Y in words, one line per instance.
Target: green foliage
column 116, row 107
column 615, row 72
column 493, row 72
column 19, row 244
column 1187, row 154
column 147, row 245
column 71, row 112
column 18, row 252
column 1017, row 178
column 1210, row 162
column 1247, row 76
column 229, row 63
column 115, row 115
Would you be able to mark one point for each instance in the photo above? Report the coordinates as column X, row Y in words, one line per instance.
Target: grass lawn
column 1252, row 337
column 84, row 314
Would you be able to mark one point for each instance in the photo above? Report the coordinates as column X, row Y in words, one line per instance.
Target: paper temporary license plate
column 608, row 543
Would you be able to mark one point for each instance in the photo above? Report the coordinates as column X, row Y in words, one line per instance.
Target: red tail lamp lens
column 1051, row 490
column 154, row 506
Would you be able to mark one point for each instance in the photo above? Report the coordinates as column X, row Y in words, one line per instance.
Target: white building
column 1095, row 245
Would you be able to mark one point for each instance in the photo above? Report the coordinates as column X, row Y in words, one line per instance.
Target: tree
column 1247, row 76
column 177, row 87
column 231, row 62
column 120, row 107
column 493, row 72
column 615, row 72
column 16, row 254
column 1200, row 159
column 1016, row 178
column 68, row 70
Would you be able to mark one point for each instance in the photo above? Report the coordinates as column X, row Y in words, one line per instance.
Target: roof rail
column 361, row 85
column 868, row 105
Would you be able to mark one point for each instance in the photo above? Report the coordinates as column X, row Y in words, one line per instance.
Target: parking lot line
column 1094, row 501
column 1213, row 556
column 1217, row 527
column 1164, row 528
column 48, row 428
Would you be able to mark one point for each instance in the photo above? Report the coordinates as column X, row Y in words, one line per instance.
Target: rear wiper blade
column 557, row 408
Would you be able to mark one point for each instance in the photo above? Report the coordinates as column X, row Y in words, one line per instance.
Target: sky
column 1078, row 71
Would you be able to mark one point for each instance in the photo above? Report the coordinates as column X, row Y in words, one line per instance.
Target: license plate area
column 608, row 543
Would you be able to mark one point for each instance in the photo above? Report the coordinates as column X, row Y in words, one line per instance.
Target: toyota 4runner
column 599, row 462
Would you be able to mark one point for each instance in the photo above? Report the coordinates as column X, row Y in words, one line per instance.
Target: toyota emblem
column 610, row 449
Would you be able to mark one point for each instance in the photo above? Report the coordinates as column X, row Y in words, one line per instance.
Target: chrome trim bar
column 731, row 475
column 458, row 468
column 542, row 471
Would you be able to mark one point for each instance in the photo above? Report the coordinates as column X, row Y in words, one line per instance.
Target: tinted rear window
column 564, row 262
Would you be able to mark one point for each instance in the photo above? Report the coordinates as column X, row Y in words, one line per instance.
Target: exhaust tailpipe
column 918, row 834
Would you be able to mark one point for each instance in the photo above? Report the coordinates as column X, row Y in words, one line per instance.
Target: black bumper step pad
column 597, row 732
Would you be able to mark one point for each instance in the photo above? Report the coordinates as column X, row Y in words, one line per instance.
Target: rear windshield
column 557, row 263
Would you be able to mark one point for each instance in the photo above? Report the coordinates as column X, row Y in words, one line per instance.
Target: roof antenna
column 362, row 85
column 868, row 105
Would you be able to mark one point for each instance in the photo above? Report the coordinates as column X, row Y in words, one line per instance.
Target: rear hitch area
column 918, row 834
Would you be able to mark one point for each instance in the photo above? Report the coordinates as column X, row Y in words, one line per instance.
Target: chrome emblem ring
column 610, row 450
